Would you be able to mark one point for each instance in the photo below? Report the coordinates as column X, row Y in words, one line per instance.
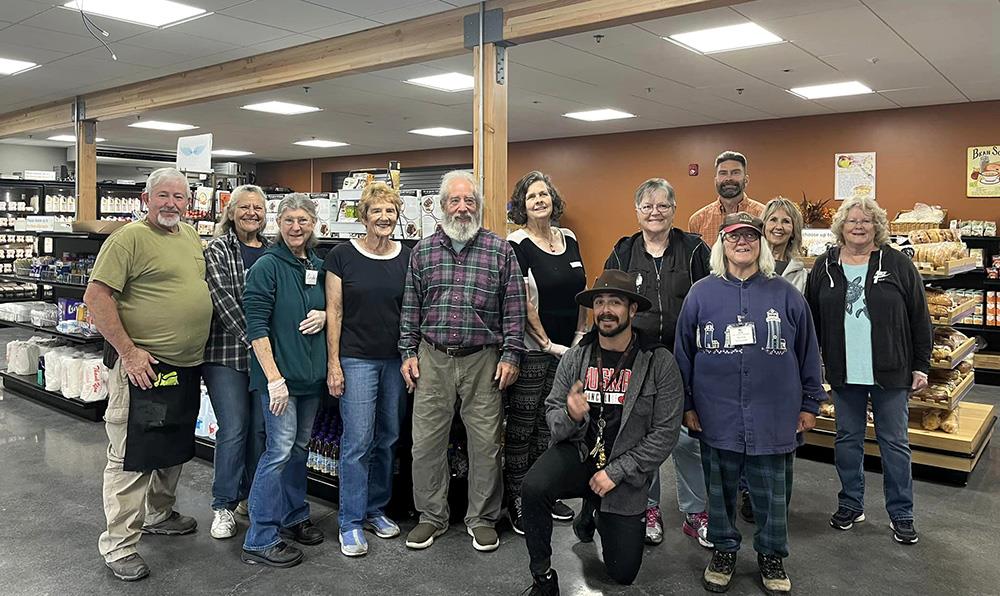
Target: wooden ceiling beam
column 418, row 40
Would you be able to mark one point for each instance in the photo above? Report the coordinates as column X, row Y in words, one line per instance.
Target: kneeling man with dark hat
column 614, row 412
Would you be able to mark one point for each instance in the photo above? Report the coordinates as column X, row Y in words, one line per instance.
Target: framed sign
column 853, row 175
column 983, row 172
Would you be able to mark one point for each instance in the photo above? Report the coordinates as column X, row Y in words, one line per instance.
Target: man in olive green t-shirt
column 148, row 296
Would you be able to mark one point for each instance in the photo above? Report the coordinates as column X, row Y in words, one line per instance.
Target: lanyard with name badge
column 598, row 450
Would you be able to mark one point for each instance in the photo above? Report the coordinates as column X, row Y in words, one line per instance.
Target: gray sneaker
column 423, row 535
column 175, row 525
column 484, row 539
column 129, row 569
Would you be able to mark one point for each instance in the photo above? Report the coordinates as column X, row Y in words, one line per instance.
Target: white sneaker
column 224, row 524
column 243, row 509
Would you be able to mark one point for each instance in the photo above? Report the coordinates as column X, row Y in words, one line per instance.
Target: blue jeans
column 691, row 497
column 240, row 438
column 372, row 409
column 891, row 417
column 278, row 493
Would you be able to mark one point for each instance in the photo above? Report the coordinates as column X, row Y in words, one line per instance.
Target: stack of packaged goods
column 75, row 372
column 324, row 446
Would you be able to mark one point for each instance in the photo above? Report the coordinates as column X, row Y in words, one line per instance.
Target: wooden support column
column 86, row 170
column 494, row 139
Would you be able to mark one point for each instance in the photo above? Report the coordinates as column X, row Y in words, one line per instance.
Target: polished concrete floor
column 51, row 516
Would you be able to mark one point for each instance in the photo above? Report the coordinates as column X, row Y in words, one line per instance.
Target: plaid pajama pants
column 770, row 482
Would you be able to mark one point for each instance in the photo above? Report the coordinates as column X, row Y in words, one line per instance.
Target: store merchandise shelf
column 319, row 485
column 952, row 457
column 27, row 387
column 957, row 355
column 956, row 314
column 956, row 396
column 73, row 337
column 45, row 282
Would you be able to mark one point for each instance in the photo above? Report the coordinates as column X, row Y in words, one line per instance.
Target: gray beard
column 168, row 221
column 461, row 232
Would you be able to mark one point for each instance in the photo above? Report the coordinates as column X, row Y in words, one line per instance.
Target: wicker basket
column 905, row 227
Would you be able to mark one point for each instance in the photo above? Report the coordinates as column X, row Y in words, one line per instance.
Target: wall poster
column 983, row 173
column 853, row 175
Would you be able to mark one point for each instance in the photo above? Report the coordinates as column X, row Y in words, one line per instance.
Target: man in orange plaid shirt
column 731, row 180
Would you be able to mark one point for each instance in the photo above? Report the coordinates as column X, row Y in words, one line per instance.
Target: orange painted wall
column 921, row 156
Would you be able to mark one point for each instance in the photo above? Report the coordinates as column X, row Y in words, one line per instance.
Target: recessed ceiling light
column 831, row 90
column 152, row 13
column 320, row 143
column 168, row 126
column 439, row 131
column 599, row 115
column 281, row 107
column 230, row 153
column 450, row 82
column 10, row 67
column 723, row 39
column 72, row 139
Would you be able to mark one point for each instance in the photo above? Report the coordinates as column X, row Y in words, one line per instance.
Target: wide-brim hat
column 613, row 281
column 735, row 221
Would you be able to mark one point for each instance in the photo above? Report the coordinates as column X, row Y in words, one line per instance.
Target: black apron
column 161, row 420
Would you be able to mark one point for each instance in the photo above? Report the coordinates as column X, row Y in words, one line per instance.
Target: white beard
column 459, row 231
column 168, row 221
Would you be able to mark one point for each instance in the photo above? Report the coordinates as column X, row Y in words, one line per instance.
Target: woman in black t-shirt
column 364, row 294
column 553, row 271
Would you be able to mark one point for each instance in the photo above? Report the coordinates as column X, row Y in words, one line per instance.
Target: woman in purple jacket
column 747, row 351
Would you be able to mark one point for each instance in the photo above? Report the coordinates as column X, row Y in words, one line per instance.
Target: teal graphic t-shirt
column 857, row 327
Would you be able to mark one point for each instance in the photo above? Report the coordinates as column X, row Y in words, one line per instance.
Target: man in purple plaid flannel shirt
column 461, row 336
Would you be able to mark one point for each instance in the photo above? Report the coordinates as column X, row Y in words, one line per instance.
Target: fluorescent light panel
column 450, row 82
column 832, row 90
column 281, row 107
column 72, row 139
column 320, row 143
column 599, row 115
column 9, row 66
column 157, row 125
column 231, row 153
column 152, row 13
column 439, row 131
column 724, row 39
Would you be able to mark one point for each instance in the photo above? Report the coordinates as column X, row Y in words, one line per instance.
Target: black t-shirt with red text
column 614, row 395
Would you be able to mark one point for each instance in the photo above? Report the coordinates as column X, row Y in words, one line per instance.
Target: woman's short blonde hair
column 375, row 193
column 870, row 208
column 794, row 246
column 719, row 264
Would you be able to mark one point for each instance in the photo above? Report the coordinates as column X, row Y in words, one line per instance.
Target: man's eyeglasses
column 660, row 208
column 747, row 236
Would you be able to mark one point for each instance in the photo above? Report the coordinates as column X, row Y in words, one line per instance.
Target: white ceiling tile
column 408, row 12
column 769, row 62
column 854, row 31
column 139, row 55
column 705, row 19
column 943, row 28
column 768, row 99
column 857, row 103
column 883, row 74
column 36, row 55
column 69, row 21
column 293, row 15
column 33, row 37
column 342, row 28
column 171, row 40
column 982, row 90
column 366, row 8
column 765, row 10
column 231, row 30
column 925, row 96
column 13, row 11
column 282, row 43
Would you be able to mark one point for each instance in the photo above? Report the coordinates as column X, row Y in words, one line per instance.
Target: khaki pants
column 470, row 379
column 131, row 499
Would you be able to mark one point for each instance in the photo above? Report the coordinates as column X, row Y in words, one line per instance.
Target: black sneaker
column 516, row 514
column 584, row 525
column 719, row 572
column 280, row 555
column 844, row 518
column 544, row 586
column 303, row 532
column 562, row 512
column 746, row 509
column 772, row 574
column 903, row 531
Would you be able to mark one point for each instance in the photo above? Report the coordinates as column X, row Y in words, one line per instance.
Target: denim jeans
column 891, row 418
column 686, row 456
column 240, row 438
column 372, row 409
column 278, row 493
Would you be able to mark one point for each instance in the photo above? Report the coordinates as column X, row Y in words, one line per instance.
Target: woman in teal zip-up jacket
column 284, row 301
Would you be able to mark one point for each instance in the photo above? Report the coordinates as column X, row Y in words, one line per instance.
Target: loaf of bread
column 935, row 235
column 939, row 253
column 949, row 422
column 931, row 419
column 938, row 296
column 826, row 409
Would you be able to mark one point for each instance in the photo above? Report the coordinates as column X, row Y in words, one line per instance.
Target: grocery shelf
column 950, row 457
column 73, row 337
column 44, row 282
column 26, row 386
